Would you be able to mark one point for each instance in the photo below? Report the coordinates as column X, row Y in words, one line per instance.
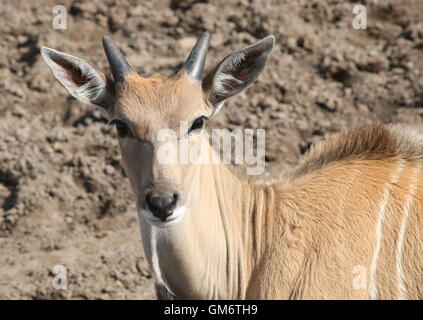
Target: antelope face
column 151, row 115
column 146, row 110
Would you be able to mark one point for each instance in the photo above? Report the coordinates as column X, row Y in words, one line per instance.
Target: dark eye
column 198, row 123
column 121, row 127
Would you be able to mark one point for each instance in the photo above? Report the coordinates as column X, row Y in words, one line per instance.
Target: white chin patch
column 176, row 217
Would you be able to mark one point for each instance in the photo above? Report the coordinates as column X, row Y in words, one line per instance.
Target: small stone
column 291, row 43
column 87, row 7
column 362, row 108
column 68, row 220
column 109, row 170
column 57, row 146
column 329, row 104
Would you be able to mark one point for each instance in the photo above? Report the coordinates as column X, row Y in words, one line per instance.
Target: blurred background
column 64, row 199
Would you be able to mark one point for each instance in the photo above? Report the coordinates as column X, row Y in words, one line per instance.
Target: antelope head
column 141, row 107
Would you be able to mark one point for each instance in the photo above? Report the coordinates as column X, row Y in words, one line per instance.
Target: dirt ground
column 64, row 199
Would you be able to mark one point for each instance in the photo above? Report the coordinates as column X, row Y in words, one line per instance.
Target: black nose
column 161, row 205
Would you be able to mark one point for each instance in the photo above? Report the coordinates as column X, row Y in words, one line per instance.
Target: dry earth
column 64, row 198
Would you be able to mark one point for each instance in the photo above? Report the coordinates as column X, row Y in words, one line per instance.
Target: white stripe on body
column 378, row 230
column 402, row 290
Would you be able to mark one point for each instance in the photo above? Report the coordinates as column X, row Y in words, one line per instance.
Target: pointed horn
column 117, row 61
column 194, row 65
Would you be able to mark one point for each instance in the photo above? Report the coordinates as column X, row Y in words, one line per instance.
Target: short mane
column 366, row 142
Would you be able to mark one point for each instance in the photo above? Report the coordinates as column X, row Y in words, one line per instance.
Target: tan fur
column 296, row 237
column 154, row 103
column 328, row 211
column 347, row 223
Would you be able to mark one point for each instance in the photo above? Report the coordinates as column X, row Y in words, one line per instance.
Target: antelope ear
column 237, row 71
column 79, row 78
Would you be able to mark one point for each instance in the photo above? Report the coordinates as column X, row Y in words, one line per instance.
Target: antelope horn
column 117, row 61
column 194, row 65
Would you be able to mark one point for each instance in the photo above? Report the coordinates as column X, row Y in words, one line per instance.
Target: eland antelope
column 347, row 223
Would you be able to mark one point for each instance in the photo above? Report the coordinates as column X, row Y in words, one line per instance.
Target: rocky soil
column 64, row 199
